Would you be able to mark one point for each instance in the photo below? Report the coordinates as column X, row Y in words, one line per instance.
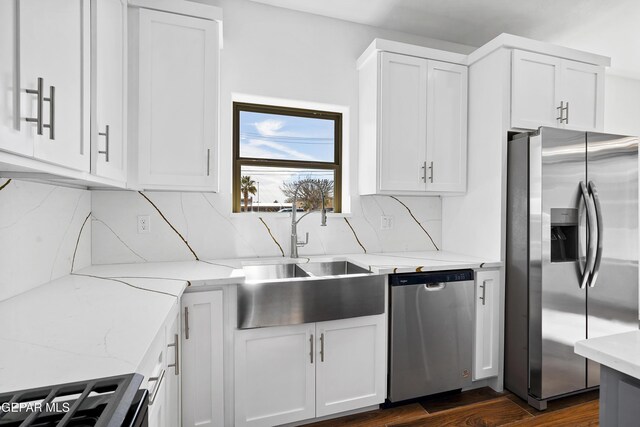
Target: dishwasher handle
column 432, row 287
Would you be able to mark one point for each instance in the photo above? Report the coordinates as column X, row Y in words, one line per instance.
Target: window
column 277, row 149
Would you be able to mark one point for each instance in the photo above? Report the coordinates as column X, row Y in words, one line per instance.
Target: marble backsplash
column 188, row 226
column 45, row 233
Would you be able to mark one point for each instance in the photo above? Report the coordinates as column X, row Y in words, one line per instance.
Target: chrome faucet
column 294, row 223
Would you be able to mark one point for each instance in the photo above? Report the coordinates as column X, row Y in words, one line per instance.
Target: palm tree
column 247, row 185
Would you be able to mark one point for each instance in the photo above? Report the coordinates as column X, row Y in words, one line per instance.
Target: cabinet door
column 11, row 139
column 54, row 46
column 202, row 359
column 487, row 324
column 178, row 92
column 582, row 89
column 534, row 90
column 446, row 127
column 155, row 369
column 403, row 123
column 108, row 131
column 157, row 408
column 351, row 364
column 274, row 375
column 172, row 392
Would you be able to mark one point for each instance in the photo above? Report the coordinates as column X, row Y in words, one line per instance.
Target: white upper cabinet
column 534, row 92
column 583, row 93
column 11, row 139
column 447, row 127
column 413, row 125
column 109, row 101
column 54, row 86
column 403, row 122
column 174, row 64
column 556, row 92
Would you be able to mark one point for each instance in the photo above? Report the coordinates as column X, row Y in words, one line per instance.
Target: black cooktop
column 105, row 402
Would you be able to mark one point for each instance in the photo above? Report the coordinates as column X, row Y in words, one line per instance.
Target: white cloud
column 269, row 127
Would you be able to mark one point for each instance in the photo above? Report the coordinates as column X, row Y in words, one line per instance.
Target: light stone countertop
column 79, row 328
column 229, row 271
column 101, row 320
column 620, row 352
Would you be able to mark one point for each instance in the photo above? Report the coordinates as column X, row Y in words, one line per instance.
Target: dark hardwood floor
column 480, row 407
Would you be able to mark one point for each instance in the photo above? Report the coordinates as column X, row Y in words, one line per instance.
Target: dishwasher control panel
column 404, row 279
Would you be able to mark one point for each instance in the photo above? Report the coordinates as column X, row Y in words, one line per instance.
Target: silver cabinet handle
column 600, row 228
column 158, row 381
column 106, row 143
column 322, row 347
column 424, row 172
column 175, row 365
column 40, row 100
column 484, row 292
column 560, row 111
column 52, row 112
column 591, row 244
column 186, row 323
column 208, row 161
column 564, row 112
column 431, row 172
column 311, row 345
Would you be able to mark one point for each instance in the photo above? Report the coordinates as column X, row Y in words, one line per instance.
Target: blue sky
column 286, row 137
column 272, row 136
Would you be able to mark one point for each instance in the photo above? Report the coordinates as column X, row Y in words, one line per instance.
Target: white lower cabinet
column 275, row 375
column 156, row 414
column 351, row 367
column 161, row 370
column 172, row 380
column 202, row 357
column 486, row 345
column 293, row 373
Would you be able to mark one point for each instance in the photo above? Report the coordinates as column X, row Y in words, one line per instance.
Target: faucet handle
column 306, row 240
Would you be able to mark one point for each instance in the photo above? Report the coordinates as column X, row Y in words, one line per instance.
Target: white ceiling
column 606, row 27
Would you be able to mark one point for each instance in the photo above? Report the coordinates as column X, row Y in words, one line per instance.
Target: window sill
column 284, row 214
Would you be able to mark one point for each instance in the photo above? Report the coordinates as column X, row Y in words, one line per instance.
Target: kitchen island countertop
column 620, row 352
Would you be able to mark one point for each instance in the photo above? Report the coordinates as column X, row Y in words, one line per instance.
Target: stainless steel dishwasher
column 430, row 333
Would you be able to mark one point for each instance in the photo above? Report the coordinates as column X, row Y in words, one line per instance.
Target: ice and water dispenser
column 564, row 234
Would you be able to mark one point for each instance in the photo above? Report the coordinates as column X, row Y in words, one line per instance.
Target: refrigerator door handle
column 600, row 227
column 591, row 244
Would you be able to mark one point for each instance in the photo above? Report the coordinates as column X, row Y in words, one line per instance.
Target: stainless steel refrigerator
column 572, row 256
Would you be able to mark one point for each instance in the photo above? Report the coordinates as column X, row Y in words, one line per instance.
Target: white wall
column 622, row 105
column 40, row 233
column 272, row 53
column 280, row 53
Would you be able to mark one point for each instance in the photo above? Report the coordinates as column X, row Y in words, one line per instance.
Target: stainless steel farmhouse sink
column 291, row 294
column 270, row 272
